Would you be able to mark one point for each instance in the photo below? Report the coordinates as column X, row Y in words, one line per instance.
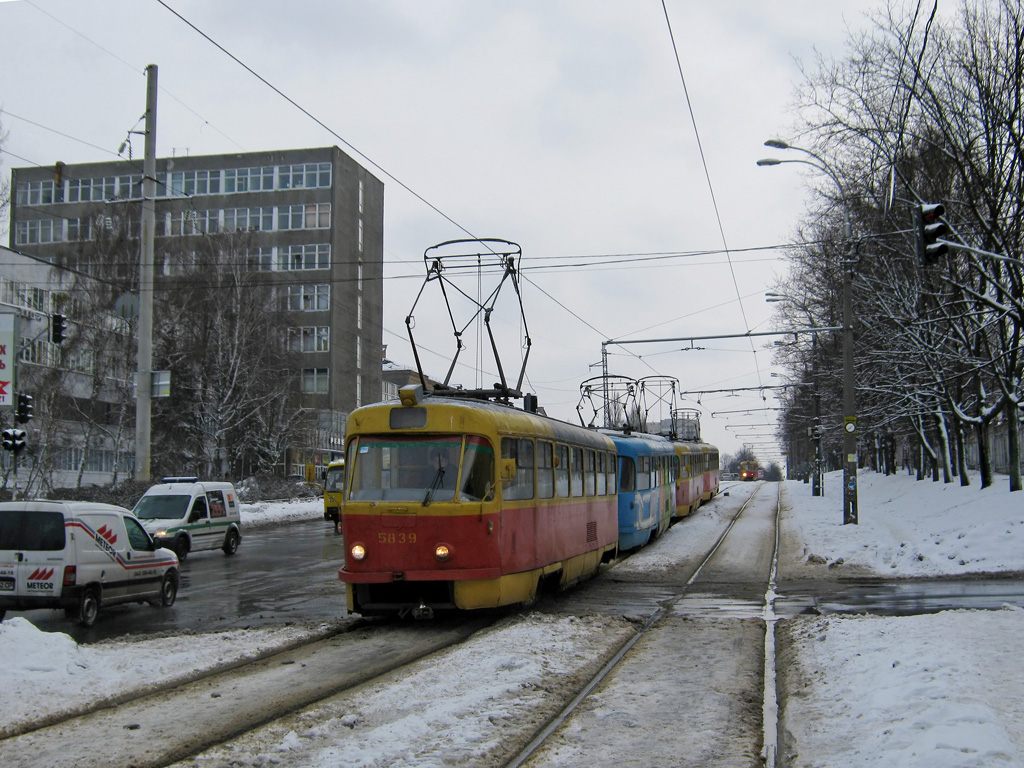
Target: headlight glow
column 442, row 552
column 358, row 551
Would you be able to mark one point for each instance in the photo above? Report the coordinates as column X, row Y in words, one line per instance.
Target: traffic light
column 23, row 412
column 58, row 325
column 930, row 227
column 12, row 440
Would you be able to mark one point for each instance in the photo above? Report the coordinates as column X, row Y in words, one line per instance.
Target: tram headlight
column 442, row 552
column 358, row 551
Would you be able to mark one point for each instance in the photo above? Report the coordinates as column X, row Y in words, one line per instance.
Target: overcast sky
column 562, row 125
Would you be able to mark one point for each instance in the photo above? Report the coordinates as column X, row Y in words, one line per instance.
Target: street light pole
column 849, row 390
column 849, row 383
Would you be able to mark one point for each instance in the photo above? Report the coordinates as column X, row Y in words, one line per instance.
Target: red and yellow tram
column 457, row 503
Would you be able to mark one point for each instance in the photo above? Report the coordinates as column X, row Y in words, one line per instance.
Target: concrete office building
column 310, row 221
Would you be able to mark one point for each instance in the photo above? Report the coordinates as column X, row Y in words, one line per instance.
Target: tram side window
column 562, row 471
column 589, row 468
column 576, row 482
column 477, row 470
column 602, row 476
column 520, row 450
column 627, row 474
column 643, row 473
column 612, row 466
column 545, row 470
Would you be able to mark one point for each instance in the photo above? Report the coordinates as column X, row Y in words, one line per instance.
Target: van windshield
column 34, row 531
column 162, row 507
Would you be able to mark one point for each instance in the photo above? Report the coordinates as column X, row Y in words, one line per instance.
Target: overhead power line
column 318, row 121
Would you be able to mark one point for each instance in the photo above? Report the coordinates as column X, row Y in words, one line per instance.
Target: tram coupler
column 422, row 611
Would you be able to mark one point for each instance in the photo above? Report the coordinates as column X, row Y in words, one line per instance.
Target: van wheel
column 230, row 543
column 181, row 548
column 88, row 607
column 169, row 589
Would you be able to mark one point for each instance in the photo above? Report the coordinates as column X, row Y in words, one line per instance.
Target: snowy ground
column 937, row 690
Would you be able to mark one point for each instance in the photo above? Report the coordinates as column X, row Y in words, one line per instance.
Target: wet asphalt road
column 283, row 574
column 288, row 574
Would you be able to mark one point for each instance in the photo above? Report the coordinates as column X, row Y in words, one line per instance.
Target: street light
column 849, row 391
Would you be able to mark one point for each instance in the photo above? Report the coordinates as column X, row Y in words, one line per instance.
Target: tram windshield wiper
column 434, row 485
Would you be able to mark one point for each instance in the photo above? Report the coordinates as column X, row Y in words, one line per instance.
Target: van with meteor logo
column 79, row 556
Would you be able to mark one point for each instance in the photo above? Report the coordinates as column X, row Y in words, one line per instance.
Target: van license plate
column 6, row 585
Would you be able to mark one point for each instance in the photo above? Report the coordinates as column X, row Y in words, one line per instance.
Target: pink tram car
column 697, row 479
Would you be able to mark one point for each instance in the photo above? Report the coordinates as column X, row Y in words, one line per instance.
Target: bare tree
column 221, row 333
column 925, row 111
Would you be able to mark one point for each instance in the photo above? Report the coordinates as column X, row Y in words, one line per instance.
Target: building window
column 36, row 231
column 192, row 222
column 35, row 193
column 260, row 259
column 304, row 176
column 187, row 183
column 249, row 179
column 316, row 338
column 360, row 235
column 300, row 257
column 315, row 381
column 92, row 190
column 361, row 190
column 307, row 216
column 309, row 298
column 248, row 219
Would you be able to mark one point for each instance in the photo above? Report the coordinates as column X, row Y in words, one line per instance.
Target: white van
column 188, row 515
column 78, row 556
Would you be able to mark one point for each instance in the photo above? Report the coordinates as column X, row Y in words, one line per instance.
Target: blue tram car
column 647, row 498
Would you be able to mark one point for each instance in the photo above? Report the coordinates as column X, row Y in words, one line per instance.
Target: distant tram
column 749, row 470
column 334, row 487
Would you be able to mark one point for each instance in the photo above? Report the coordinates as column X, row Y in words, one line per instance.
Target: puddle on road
column 899, row 598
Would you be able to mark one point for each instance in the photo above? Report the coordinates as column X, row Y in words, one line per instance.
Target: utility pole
column 817, row 487
column 144, row 378
column 849, row 387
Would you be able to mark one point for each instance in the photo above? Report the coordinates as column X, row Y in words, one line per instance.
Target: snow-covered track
column 595, row 753
column 172, row 724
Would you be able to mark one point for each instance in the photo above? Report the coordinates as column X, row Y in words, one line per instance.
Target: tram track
column 148, row 730
column 666, row 607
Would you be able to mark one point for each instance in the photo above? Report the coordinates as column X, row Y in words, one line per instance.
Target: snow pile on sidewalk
column 45, row 674
column 910, row 528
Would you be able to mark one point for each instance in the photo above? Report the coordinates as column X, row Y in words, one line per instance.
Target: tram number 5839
column 384, row 537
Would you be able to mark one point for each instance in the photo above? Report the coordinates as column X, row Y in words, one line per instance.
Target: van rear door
column 31, row 553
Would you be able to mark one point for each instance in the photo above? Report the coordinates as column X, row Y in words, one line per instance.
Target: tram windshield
column 422, row 468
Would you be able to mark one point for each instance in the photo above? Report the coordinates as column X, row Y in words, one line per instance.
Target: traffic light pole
column 849, row 390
